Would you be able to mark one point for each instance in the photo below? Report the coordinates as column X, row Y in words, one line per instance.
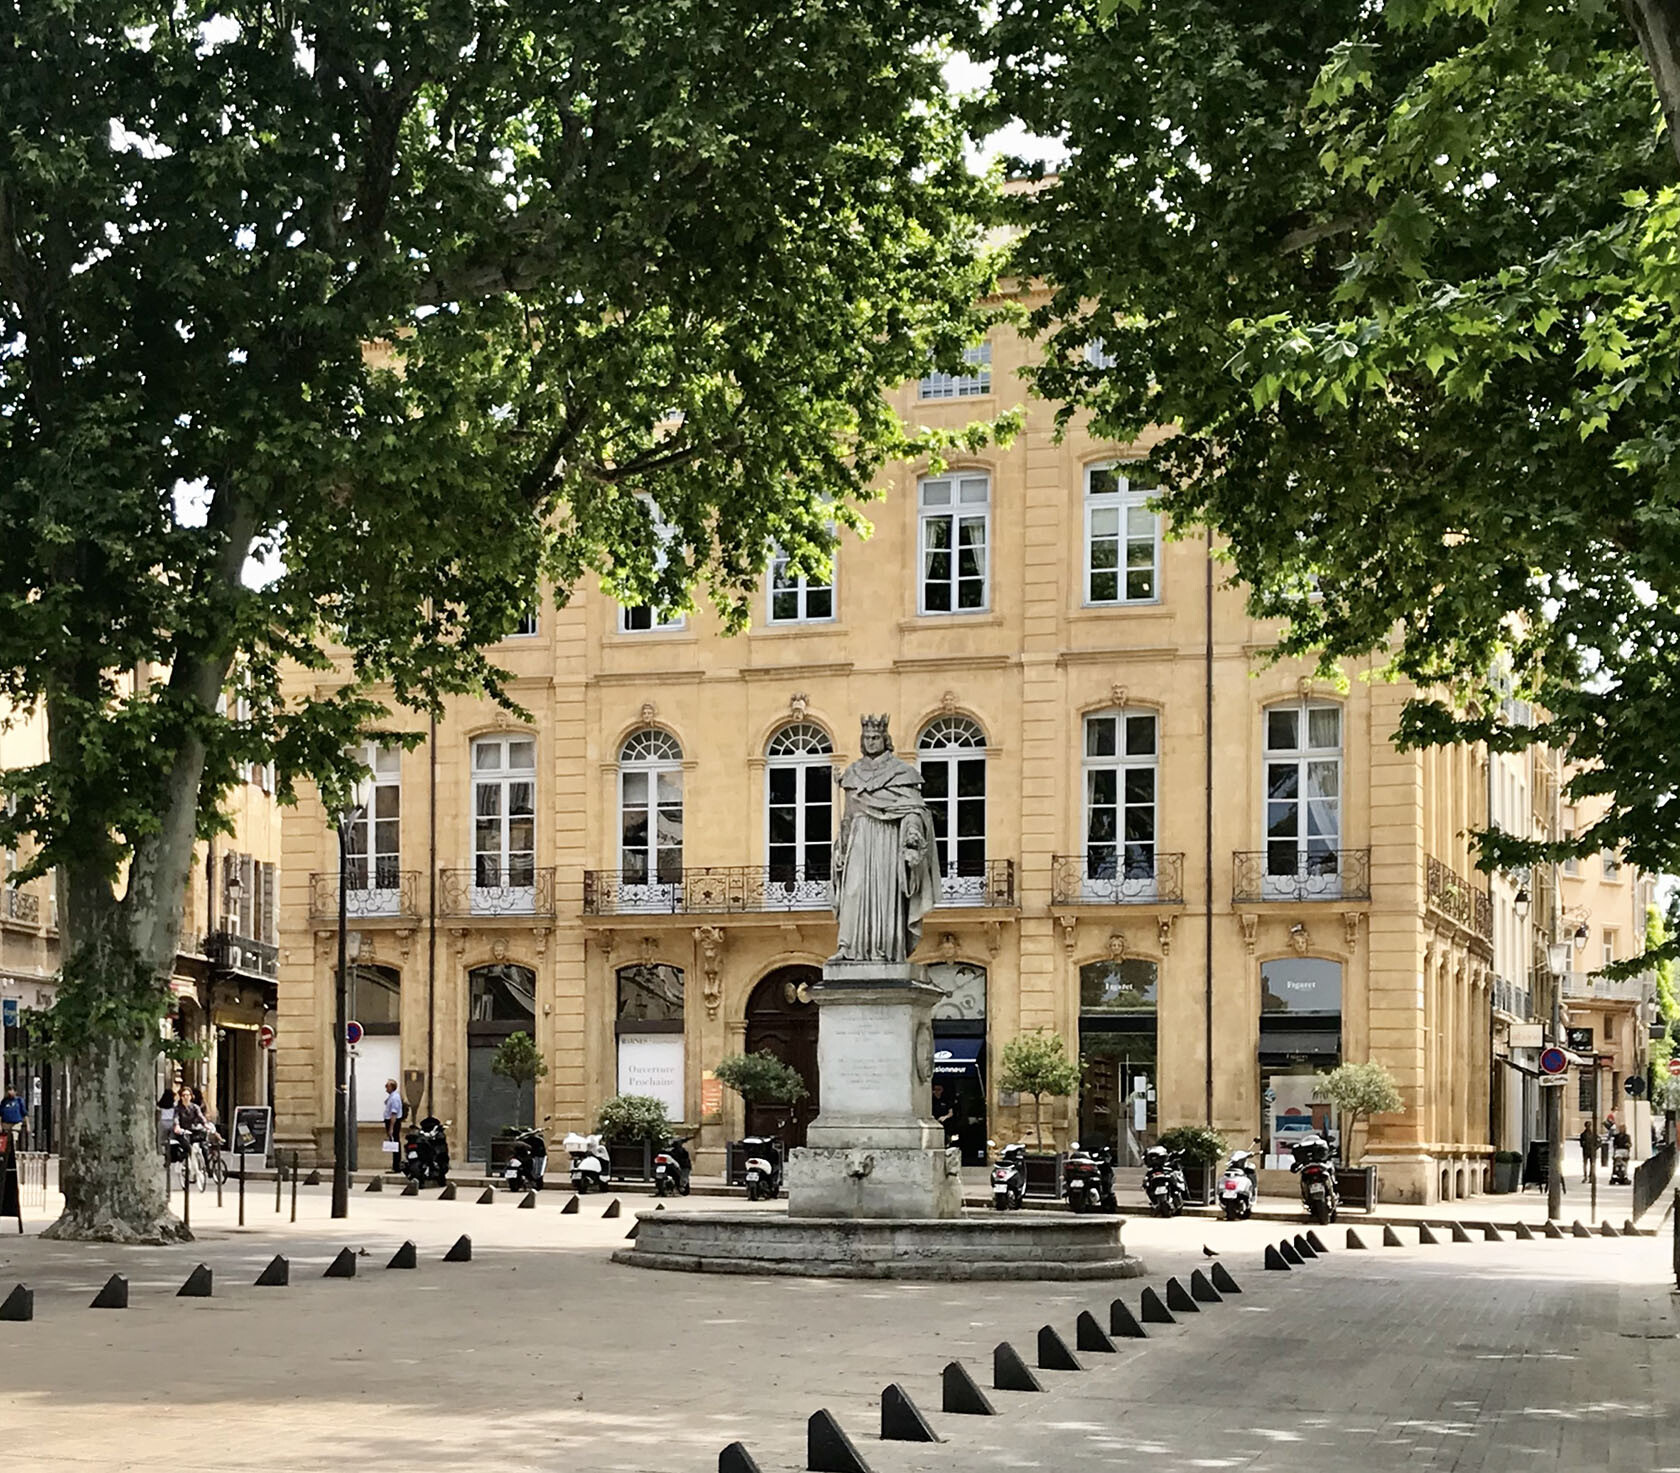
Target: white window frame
column 935, row 386
column 802, row 588
column 529, row 625
column 948, row 741
column 1124, row 499
column 648, row 755
column 659, row 621
column 376, row 836
column 1612, row 867
column 1131, row 877
column 1317, row 867
column 509, row 884
column 800, row 747
column 953, row 512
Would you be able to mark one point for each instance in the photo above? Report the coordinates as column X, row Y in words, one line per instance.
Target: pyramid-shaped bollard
column 1201, row 1290
column 1179, row 1300
column 658, row 1206
column 1154, row 1312
column 736, row 1459
column 1304, row 1248
column 1354, row 1240
column 635, row 1228
column 313, row 1179
column 1491, row 1233
column 486, row 1197
column 613, row 1209
column 1276, row 1260
column 1291, row 1254
column 113, row 1296
column 1053, row 1354
column 1523, row 1233
column 1628, row 1229
column 962, row 1395
column 412, row 1188
column 528, row 1200
column 377, row 1184
column 1089, row 1335
column 1316, row 1241
column 407, row 1256
column 1458, row 1233
column 1425, row 1237
column 199, row 1285
column 571, row 1206
column 342, row 1267
column 1551, row 1229
column 902, row 1419
column 460, row 1251
column 448, row 1193
column 1580, row 1229
column 1010, row 1372
column 1391, row 1239
column 1606, row 1231
column 828, row 1449
column 19, row 1304
column 1123, row 1323
column 1222, row 1280
column 277, row 1275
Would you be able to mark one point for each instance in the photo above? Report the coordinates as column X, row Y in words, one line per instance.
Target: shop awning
column 957, row 1055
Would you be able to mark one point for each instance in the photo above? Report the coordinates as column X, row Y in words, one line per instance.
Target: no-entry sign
column 1674, row 1068
column 1553, row 1061
column 265, row 1035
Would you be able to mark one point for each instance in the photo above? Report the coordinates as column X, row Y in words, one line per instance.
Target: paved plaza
column 541, row 1353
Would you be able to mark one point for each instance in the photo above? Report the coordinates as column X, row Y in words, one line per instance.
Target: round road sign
column 1674, row 1068
column 265, row 1035
column 1553, row 1061
column 352, row 1032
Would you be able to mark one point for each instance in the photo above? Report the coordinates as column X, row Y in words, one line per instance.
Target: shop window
column 1300, row 1034
column 959, row 1057
column 649, row 1031
column 1118, row 1053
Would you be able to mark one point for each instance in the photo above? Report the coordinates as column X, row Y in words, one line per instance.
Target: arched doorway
column 501, row 1001
column 781, row 1018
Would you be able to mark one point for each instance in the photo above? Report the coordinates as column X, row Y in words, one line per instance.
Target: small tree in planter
column 761, row 1078
column 1358, row 1091
column 519, row 1062
column 1037, row 1064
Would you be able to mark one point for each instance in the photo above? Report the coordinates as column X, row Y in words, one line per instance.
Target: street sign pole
column 341, row 1046
column 1592, row 1175
column 1554, row 1115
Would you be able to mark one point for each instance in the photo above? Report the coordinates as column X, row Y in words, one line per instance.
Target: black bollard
column 294, row 1181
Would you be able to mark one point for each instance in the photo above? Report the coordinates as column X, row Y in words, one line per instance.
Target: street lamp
column 1519, row 902
column 1557, row 963
column 348, row 818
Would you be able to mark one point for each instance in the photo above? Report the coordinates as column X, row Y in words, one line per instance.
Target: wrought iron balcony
column 228, row 951
column 1458, row 900
column 20, row 905
column 1106, row 878
column 392, row 893
column 1588, row 987
column 1510, row 999
column 760, row 889
column 492, row 888
column 1285, row 872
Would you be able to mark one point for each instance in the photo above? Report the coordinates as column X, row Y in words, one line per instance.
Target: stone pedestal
column 874, row 1151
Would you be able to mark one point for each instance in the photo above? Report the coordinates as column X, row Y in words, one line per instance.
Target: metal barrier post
column 294, row 1181
column 186, row 1191
column 1674, row 1207
column 242, row 1196
column 279, row 1180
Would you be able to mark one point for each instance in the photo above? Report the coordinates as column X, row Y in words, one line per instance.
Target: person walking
column 14, row 1116
column 393, row 1112
column 1589, row 1144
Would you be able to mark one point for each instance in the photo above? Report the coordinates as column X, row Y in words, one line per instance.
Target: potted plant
column 760, row 1078
column 1358, row 1091
column 1507, row 1170
column 633, row 1126
column 518, row 1061
column 1203, row 1150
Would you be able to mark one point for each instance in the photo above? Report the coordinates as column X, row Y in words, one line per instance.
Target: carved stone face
column 874, row 741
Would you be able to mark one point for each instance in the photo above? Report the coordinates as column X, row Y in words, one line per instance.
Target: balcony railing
column 1510, row 999
column 1107, row 878
column 1458, row 900
column 20, row 905
column 496, row 889
column 749, row 889
column 393, row 893
column 1287, row 873
column 227, row 951
column 1585, row 987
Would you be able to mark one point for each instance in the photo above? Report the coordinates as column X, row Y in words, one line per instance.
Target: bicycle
column 215, row 1167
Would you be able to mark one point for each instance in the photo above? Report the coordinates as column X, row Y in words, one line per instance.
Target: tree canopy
column 424, row 306
column 1403, row 278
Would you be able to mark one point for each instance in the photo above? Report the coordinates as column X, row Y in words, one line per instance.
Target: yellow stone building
column 1210, row 876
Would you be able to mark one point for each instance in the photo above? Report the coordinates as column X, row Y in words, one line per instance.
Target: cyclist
column 189, row 1120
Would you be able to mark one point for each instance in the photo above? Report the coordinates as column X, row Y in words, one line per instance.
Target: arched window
column 799, row 807
column 1119, row 771
column 504, row 823
column 951, row 753
column 650, row 1034
column 1304, row 798
column 650, row 815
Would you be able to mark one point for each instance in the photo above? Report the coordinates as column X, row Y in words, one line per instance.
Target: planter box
column 1198, row 1183
column 1506, row 1175
column 1043, row 1177
column 631, row 1160
column 501, row 1152
column 1357, row 1186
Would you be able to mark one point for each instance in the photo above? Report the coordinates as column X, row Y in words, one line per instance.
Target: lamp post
column 347, row 820
column 1557, row 962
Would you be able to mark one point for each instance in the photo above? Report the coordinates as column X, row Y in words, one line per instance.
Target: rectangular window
column 374, row 857
column 1612, row 866
column 955, row 518
column 1122, row 540
column 796, row 599
column 526, row 626
column 961, row 386
column 1584, row 1092
column 1612, row 940
column 1303, row 799
column 643, row 618
column 1572, row 865
column 1119, row 766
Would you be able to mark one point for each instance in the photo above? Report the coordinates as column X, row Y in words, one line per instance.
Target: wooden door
column 780, row 1019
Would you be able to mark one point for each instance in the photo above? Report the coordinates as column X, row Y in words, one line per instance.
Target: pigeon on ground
column 1207, row 1252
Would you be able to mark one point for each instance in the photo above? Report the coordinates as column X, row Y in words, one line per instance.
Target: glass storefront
column 1117, row 1056
column 1300, row 1036
column 959, row 1057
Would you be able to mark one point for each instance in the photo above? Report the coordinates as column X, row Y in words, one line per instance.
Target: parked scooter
column 1621, row 1152
column 426, row 1152
column 591, row 1166
column 529, row 1162
column 764, row 1167
column 1088, row 1180
column 1318, row 1178
column 1009, row 1176
column 671, row 1167
column 1163, row 1181
column 1239, row 1185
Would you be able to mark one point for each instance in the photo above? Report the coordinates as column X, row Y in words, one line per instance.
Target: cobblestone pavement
column 542, row 1354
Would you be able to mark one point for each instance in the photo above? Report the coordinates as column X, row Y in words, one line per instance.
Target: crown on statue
column 876, row 724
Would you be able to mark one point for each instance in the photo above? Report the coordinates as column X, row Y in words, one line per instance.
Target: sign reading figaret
column 874, row 1150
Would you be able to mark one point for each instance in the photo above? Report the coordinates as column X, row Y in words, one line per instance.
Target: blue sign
column 1553, row 1061
column 9, row 1011
column 352, row 1032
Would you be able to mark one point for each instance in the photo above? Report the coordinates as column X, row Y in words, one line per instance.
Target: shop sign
column 652, row 1064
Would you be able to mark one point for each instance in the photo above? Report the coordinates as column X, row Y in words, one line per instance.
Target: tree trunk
column 1038, row 1120
column 1657, row 25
